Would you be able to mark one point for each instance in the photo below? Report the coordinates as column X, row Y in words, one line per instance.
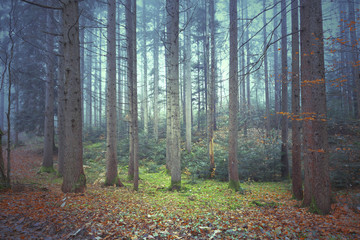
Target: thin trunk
column 276, row 73
column 267, row 101
column 354, row 58
column 233, row 99
column 172, row 52
column 211, row 90
column 295, row 105
column 61, row 102
column 145, row 91
column 47, row 164
column 284, row 96
column 187, row 80
column 111, row 123
column 156, row 80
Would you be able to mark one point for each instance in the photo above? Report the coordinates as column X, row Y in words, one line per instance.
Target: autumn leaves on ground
column 35, row 208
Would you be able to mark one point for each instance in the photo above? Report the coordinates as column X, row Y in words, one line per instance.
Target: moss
column 175, row 185
column 235, row 185
column 44, row 169
column 313, row 208
column 80, row 185
column 116, row 181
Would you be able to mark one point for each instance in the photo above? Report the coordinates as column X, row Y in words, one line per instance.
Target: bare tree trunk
column 267, row 101
column 211, row 90
column 100, row 80
column 145, row 90
column 156, row 79
column 295, row 102
column 187, row 79
column 313, row 95
column 89, row 102
column 74, row 178
column 47, row 164
column 354, row 58
column 111, row 123
column 172, row 52
column 61, row 102
column 276, row 74
column 284, row 96
column 233, row 100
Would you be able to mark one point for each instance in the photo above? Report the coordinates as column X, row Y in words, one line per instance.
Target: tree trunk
column 47, row 164
column 187, row 77
column 284, row 96
column 267, row 101
column 111, row 123
column 211, row 90
column 233, row 99
column 276, row 73
column 313, row 95
column 172, row 59
column 145, row 90
column 354, row 58
column 295, row 105
column 74, row 178
column 89, row 101
column 61, row 102
column 156, row 79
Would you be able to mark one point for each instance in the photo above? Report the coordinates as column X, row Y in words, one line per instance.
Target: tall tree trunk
column 145, row 90
column 156, row 79
column 313, row 96
column 47, row 164
column 247, row 82
column 100, row 80
column 172, row 58
column 295, row 104
column 74, row 178
column 284, row 95
column 233, row 99
column 354, row 58
column 61, row 102
column 267, row 101
column 111, row 123
column 187, row 77
column 276, row 72
column 211, row 90
column 89, row 102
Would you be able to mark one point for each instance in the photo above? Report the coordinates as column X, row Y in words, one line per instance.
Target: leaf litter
column 37, row 209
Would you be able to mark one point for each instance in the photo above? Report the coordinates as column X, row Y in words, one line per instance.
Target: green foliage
column 47, row 170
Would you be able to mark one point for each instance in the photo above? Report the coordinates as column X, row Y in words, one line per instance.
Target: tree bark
column 74, row 178
column 211, row 90
column 233, row 99
column 284, row 95
column 295, row 105
column 111, row 113
column 156, row 79
column 266, row 77
column 172, row 85
column 276, row 73
column 187, row 77
column 47, row 164
column 313, row 96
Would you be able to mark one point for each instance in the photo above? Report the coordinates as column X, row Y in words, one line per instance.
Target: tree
column 172, row 88
column 111, row 113
column 276, row 70
column 233, row 100
column 267, row 101
column 211, row 89
column 284, row 95
column 295, row 105
column 354, row 58
column 187, row 79
column 145, row 73
column 156, row 76
column 133, row 172
column 74, row 178
column 313, row 97
column 47, row 164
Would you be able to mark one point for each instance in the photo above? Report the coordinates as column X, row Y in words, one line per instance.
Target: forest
column 179, row 119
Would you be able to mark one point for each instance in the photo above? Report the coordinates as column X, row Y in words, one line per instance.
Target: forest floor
column 35, row 208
